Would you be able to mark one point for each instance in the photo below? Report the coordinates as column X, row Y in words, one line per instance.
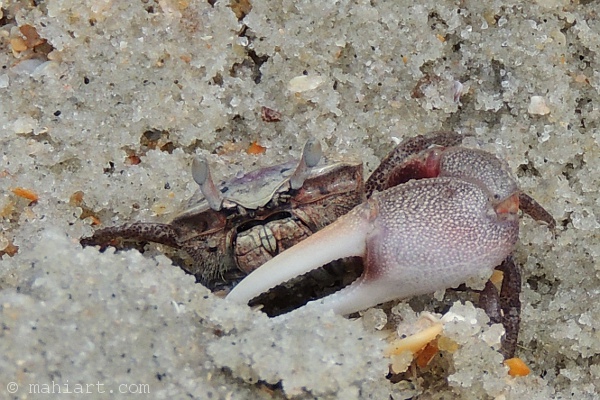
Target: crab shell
column 256, row 189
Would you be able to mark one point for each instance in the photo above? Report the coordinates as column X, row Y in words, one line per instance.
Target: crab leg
column 536, row 211
column 505, row 307
column 151, row 232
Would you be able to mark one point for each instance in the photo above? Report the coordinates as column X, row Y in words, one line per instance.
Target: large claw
column 414, row 238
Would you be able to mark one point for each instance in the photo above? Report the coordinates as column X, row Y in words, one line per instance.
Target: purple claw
column 443, row 215
column 414, row 238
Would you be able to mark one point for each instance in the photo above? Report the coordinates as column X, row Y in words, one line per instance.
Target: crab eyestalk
column 201, row 175
column 311, row 155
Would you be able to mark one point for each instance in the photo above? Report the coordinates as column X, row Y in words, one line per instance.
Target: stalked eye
column 201, row 175
column 311, row 154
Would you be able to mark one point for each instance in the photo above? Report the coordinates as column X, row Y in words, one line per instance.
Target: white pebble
column 304, row 83
column 537, row 106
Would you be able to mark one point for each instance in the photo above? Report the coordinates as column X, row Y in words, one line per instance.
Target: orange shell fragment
column 426, row 354
column 255, row 149
column 10, row 250
column 415, row 342
column 76, row 198
column 26, row 194
column 95, row 220
column 32, row 37
column 516, row 367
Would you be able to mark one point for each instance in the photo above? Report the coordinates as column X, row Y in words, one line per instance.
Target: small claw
column 201, row 175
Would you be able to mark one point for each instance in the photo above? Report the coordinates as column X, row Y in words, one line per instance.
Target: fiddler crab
column 432, row 215
column 231, row 230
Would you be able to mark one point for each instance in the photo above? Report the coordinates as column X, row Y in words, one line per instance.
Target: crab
column 231, row 230
column 435, row 216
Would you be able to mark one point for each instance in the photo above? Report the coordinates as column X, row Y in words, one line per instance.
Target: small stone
column 304, row 83
column 374, row 319
column 18, row 44
column 537, row 106
column 4, row 81
column 401, row 362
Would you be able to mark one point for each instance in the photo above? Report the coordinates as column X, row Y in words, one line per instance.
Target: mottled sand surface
column 104, row 103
